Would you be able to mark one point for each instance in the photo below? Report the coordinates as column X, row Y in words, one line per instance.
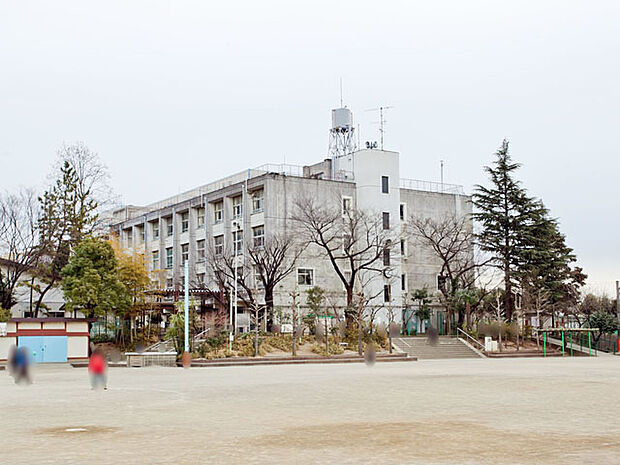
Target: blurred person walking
column 21, row 365
column 97, row 367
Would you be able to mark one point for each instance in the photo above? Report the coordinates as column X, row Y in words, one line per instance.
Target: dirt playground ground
column 478, row 411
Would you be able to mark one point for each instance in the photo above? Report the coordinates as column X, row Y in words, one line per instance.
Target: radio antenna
column 381, row 121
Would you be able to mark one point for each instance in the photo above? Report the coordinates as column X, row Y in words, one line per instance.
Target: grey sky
column 175, row 94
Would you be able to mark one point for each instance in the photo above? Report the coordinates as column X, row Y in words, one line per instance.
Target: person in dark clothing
column 22, row 365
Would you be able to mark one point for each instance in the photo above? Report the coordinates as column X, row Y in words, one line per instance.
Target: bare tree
column 353, row 240
column 92, row 174
column 18, row 241
column 69, row 211
column 224, row 267
column 273, row 261
column 451, row 240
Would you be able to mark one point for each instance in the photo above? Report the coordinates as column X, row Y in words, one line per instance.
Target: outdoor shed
column 48, row 339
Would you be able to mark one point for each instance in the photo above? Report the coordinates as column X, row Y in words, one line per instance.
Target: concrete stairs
column 445, row 348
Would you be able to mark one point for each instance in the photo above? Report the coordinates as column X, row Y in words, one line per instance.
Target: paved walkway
column 471, row 411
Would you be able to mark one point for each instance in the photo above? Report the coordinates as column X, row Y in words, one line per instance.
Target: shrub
column 5, row 315
column 100, row 338
column 334, row 349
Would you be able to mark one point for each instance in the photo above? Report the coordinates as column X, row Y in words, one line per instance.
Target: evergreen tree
column 504, row 211
column 524, row 241
column 68, row 213
column 91, row 280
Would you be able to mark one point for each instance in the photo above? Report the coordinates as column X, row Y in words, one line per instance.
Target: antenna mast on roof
column 381, row 121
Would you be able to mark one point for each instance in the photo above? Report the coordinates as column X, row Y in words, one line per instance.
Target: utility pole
column 618, row 299
column 236, row 225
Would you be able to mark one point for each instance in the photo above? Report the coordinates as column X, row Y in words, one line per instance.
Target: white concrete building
column 26, row 298
column 261, row 202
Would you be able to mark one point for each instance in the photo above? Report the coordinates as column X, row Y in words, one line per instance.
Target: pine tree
column 68, row 213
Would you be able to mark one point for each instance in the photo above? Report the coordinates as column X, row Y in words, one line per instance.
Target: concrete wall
column 6, row 342
column 77, row 347
column 280, row 192
column 420, row 264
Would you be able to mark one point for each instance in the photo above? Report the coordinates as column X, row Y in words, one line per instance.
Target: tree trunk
column 41, row 295
column 326, row 337
column 349, row 315
column 468, row 316
column 269, row 307
column 508, row 296
column 256, row 334
column 360, row 312
column 359, row 337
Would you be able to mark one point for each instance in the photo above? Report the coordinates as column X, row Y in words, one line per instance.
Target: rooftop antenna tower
column 381, row 121
column 341, row 135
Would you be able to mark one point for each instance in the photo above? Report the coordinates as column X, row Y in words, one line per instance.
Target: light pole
column 236, row 225
column 187, row 305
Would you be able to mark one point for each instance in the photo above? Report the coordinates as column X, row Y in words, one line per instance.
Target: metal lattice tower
column 341, row 136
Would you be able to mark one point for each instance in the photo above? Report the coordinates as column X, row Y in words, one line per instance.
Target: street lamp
column 236, row 225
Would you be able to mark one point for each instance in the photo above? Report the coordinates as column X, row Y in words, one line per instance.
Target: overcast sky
column 176, row 94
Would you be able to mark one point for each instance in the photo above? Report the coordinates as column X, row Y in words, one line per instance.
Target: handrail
column 470, row 337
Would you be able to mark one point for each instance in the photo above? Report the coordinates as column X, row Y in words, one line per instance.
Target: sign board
column 3, row 329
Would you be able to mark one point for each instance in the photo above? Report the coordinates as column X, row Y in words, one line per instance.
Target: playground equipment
column 580, row 331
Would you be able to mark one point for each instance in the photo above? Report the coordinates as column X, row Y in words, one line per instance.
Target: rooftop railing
column 430, row 186
column 291, row 170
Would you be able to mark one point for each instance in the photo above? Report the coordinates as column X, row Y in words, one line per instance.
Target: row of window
column 218, row 216
column 258, row 240
column 305, row 277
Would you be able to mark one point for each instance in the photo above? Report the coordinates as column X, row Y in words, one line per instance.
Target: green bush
column 100, row 338
column 5, row 315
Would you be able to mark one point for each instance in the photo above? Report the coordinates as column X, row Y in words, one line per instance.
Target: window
column 305, row 276
column 155, row 230
column 200, row 250
column 200, row 218
column 403, row 247
column 403, row 211
column 257, row 201
column 140, row 231
column 257, row 281
column 170, row 226
column 184, row 253
column 169, row 257
column 386, row 220
column 346, row 205
column 441, row 282
column 237, row 206
column 200, row 279
column 385, row 184
column 237, row 237
column 403, row 282
column 387, row 293
column 258, row 234
column 218, row 242
column 129, row 237
column 155, row 259
column 218, row 212
column 184, row 222
column 169, row 283
column 386, row 256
